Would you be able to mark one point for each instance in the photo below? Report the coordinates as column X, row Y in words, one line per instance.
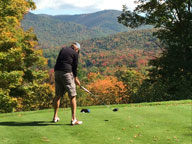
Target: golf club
column 86, row 90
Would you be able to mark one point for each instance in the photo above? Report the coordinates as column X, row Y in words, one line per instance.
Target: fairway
column 146, row 123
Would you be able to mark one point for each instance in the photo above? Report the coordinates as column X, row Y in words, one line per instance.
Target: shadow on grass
column 190, row 132
column 32, row 123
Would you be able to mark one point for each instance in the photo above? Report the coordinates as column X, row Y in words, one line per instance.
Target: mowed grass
column 146, row 123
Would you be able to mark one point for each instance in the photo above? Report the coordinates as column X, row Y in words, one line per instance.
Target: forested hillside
column 105, row 20
column 129, row 49
column 53, row 32
column 57, row 30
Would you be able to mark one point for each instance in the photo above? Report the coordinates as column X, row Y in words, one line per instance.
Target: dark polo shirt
column 67, row 61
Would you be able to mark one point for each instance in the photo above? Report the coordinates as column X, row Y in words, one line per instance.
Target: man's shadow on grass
column 32, row 123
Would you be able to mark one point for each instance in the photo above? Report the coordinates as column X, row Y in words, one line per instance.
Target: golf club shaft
column 86, row 90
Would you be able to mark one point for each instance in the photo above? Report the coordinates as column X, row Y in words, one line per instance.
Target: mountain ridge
column 60, row 29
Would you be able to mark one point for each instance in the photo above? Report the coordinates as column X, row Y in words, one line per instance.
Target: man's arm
column 74, row 65
column 74, row 69
column 77, row 81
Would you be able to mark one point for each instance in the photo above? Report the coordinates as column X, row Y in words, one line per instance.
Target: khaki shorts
column 64, row 82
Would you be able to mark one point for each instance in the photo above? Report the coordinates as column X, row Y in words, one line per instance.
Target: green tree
column 173, row 20
column 22, row 67
column 132, row 81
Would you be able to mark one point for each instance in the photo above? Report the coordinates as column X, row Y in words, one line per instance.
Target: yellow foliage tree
column 22, row 67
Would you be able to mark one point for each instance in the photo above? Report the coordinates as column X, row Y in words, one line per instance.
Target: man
column 65, row 79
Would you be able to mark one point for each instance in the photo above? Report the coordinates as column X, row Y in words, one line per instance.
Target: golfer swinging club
column 65, row 79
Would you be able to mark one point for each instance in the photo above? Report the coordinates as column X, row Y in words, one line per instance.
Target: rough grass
column 146, row 123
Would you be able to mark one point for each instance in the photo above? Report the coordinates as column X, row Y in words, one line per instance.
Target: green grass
column 146, row 123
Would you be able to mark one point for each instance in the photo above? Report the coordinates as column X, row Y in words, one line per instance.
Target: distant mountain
column 105, row 20
column 60, row 29
column 53, row 32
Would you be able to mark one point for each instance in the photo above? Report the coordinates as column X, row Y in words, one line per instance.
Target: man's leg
column 73, row 111
column 56, row 104
column 73, row 107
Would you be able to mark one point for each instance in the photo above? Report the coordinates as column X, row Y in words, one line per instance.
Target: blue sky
column 60, row 7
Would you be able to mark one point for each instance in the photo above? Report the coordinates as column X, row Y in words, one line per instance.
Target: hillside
column 57, row 30
column 53, row 32
column 130, row 49
column 105, row 20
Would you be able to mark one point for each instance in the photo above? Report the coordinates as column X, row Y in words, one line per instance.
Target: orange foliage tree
column 107, row 90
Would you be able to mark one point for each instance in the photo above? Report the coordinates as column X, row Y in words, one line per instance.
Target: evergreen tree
column 22, row 67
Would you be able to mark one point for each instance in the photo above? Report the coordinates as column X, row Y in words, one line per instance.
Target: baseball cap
column 78, row 45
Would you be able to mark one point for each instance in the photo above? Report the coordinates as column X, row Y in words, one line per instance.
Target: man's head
column 76, row 46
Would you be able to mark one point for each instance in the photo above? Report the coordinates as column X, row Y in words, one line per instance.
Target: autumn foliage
column 107, row 90
column 22, row 67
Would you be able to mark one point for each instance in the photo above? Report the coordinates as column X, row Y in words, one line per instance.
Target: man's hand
column 77, row 81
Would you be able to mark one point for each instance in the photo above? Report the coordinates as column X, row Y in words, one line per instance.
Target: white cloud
column 83, row 5
column 54, row 4
column 115, row 4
